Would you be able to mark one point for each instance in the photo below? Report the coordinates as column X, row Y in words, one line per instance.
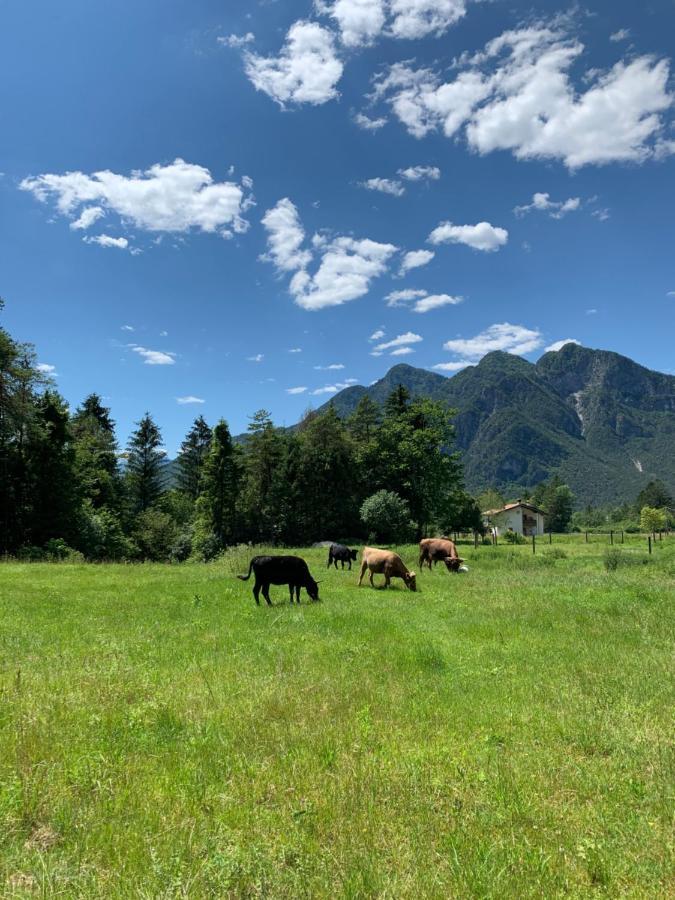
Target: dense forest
column 386, row 472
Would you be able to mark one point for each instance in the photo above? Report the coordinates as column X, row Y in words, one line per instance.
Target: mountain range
column 600, row 421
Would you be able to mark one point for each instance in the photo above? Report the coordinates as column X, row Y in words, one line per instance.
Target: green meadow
column 503, row 733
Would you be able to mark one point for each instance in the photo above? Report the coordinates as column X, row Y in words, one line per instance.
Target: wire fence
column 611, row 537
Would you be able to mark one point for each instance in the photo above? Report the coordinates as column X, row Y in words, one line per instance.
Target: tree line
column 67, row 487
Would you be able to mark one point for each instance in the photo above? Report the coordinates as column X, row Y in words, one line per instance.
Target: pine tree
column 193, row 453
column 263, row 493
column 146, row 465
column 217, row 503
column 96, row 454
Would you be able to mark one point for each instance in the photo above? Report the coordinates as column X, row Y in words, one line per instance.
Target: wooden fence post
column 534, row 544
column 611, row 537
column 586, row 537
column 622, row 537
column 550, row 537
column 649, row 544
column 475, row 540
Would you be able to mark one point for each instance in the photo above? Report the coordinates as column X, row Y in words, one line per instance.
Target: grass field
column 503, row 733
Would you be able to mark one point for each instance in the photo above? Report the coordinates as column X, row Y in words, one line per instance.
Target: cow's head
column 410, row 580
column 453, row 565
column 353, row 554
column 313, row 589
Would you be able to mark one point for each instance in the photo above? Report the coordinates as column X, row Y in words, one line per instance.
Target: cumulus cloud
column 236, row 41
column 295, row 350
column 285, row 237
column 621, row 35
column 377, row 335
column 414, row 259
column 504, row 336
column 306, row 70
column 346, row 266
column 258, row 358
column 558, row 345
column 174, row 198
column 368, row 124
column 451, row 366
column 296, row 390
column 334, row 388
column 420, row 173
column 333, row 367
column 482, row 236
column 105, row 240
column 384, row 186
column 190, row 399
column 154, row 357
column 421, row 301
column 402, row 340
column 402, row 351
column 519, row 95
column 555, row 208
column 127, row 328
column 46, row 369
column 361, row 22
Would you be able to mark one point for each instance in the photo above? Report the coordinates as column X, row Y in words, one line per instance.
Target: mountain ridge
column 599, row 420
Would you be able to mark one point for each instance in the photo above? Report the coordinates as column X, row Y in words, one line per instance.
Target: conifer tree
column 217, row 503
column 146, row 465
column 193, row 453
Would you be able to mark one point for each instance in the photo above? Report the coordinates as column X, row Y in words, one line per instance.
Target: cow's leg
column 372, row 583
column 297, row 593
column 349, row 563
column 364, row 566
column 256, row 592
column 342, row 564
column 266, row 593
column 290, row 591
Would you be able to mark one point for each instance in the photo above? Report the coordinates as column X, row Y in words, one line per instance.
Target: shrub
column 387, row 517
column 57, row 549
column 555, row 553
column 155, row 534
column 512, row 537
column 182, row 546
column 612, row 559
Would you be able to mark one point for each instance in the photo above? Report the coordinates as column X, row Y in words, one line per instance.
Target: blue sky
column 220, row 201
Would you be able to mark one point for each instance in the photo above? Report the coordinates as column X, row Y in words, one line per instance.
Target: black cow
column 290, row 570
column 344, row 554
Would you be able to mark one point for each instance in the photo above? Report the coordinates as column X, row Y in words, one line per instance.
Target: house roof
column 509, row 506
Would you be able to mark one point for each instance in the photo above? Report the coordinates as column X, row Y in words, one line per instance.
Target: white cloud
column 334, row 388
column 164, row 334
column 621, row 35
column 451, row 366
column 423, row 301
column 174, row 198
column 306, row 70
column 88, row 216
column 384, row 186
column 46, row 369
column 285, row 237
column 435, row 301
column 377, row 335
column 296, row 350
column 401, row 298
column 402, row 351
column 105, row 240
column 555, row 208
column 418, row 18
column 154, row 357
column 408, row 338
column 359, row 21
column 258, row 358
column 420, row 173
column 185, row 401
column 601, row 214
column 414, row 259
column 593, row 312
column 127, row 328
column 332, row 367
column 346, row 266
column 369, row 124
column 296, row 390
column 518, row 95
column 482, row 236
column 236, row 41
column 670, row 294
column 509, row 338
column 558, row 345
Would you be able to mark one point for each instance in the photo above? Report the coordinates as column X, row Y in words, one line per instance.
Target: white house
column 523, row 518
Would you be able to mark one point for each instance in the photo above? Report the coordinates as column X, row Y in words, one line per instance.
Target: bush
column 555, row 553
column 155, row 534
column 512, row 537
column 387, row 518
column 57, row 549
column 182, row 546
column 101, row 536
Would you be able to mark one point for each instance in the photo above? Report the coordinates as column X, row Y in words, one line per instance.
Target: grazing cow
column 437, row 549
column 344, row 554
column 290, row 570
column 384, row 562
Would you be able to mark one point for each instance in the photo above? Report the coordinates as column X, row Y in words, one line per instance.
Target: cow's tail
column 330, row 555
column 246, row 577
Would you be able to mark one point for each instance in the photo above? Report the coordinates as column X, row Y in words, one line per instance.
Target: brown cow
column 437, row 549
column 387, row 563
